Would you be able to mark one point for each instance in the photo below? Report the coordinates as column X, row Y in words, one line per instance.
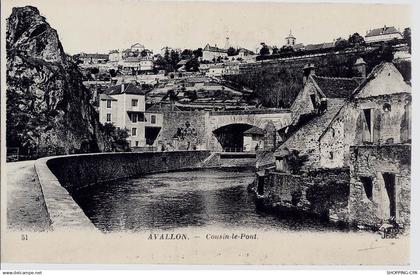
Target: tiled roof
column 128, row 89
column 137, row 45
column 336, row 87
column 182, row 62
column 255, row 131
column 311, row 47
column 382, row 31
column 246, row 51
column 313, row 129
column 106, row 97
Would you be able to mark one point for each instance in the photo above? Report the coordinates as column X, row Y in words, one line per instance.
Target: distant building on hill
column 382, row 34
column 211, row 53
column 290, row 40
column 92, row 58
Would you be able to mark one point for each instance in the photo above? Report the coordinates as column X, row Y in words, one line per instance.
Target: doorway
column 389, row 180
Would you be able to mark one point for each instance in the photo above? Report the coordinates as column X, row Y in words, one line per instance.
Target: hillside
column 277, row 82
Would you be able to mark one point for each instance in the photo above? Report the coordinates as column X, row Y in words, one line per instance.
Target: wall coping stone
column 64, row 213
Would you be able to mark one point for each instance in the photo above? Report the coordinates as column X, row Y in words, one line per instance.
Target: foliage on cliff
column 48, row 107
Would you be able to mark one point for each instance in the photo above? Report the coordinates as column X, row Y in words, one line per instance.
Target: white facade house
column 137, row 47
column 213, row 53
column 114, row 56
column 382, row 34
column 124, row 106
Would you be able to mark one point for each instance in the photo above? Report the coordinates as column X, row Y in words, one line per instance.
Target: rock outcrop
column 48, row 109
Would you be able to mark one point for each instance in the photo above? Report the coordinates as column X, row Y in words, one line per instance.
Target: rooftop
column 336, row 87
column 214, row 49
column 382, row 31
column 300, row 139
column 128, row 88
column 255, row 131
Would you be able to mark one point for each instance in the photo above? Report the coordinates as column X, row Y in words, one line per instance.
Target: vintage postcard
column 263, row 133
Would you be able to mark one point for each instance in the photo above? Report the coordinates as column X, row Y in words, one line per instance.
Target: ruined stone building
column 314, row 108
column 371, row 135
column 346, row 154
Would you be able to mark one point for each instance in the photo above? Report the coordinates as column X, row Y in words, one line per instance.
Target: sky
column 102, row 25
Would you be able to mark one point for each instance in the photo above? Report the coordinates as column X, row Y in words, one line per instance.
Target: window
column 108, row 103
column 313, row 100
column 387, row 107
column 368, row 125
column 331, row 155
column 134, row 118
column 108, row 117
column 134, row 131
column 134, row 102
column 368, row 187
column 137, row 144
column 153, row 119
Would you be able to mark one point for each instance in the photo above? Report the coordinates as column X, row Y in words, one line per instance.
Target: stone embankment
column 60, row 176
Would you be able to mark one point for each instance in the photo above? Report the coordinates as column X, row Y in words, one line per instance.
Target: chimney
column 360, row 67
column 323, row 106
column 308, row 70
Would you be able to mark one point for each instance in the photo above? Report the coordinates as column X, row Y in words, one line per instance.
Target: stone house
column 371, row 135
column 378, row 112
column 313, row 109
column 124, row 106
column 382, row 34
column 210, row 53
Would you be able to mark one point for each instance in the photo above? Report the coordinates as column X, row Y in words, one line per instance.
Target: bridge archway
column 231, row 137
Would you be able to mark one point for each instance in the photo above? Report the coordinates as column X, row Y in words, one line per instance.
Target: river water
column 188, row 199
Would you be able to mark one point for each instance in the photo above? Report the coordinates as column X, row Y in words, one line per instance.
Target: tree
column 356, row 40
column 231, row 51
column 198, row 53
column 143, row 53
column 341, row 44
column 175, row 58
column 386, row 53
column 112, row 72
column 407, row 38
column 275, row 51
column 192, row 65
column 115, row 137
column 286, row 49
column 264, row 50
column 187, row 54
column 296, row 161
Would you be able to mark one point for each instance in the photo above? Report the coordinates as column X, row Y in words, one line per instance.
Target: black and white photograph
column 263, row 133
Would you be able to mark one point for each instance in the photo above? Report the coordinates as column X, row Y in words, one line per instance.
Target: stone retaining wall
column 61, row 176
column 323, row 192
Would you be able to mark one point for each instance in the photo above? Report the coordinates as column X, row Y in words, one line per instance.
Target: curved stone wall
column 61, row 176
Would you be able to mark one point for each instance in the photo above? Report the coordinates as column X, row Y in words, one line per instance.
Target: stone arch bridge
column 226, row 128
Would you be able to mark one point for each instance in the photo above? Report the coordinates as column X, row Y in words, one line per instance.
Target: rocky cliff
column 48, row 109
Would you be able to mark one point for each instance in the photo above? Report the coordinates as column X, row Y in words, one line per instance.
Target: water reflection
column 181, row 199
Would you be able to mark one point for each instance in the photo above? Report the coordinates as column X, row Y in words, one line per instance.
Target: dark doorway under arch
column 231, row 137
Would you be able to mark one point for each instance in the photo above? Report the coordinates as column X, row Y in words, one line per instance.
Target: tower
column 290, row 39
column 227, row 45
